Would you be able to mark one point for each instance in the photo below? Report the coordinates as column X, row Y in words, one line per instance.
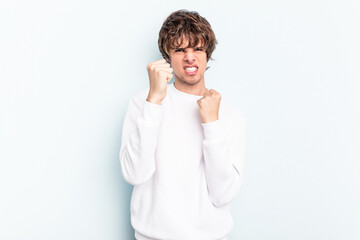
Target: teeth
column 190, row 69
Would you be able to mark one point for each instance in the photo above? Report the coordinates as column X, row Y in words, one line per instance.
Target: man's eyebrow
column 183, row 48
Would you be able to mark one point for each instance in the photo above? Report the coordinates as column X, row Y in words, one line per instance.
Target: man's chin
column 190, row 81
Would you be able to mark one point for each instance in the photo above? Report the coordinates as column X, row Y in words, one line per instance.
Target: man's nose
column 189, row 56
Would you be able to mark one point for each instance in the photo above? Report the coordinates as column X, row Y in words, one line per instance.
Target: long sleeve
column 139, row 139
column 223, row 149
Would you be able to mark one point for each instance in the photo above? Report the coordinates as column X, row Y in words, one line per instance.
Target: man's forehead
column 184, row 42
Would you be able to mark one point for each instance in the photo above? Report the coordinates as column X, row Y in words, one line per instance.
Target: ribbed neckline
column 183, row 94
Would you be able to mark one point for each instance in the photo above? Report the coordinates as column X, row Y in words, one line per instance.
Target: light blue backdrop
column 68, row 69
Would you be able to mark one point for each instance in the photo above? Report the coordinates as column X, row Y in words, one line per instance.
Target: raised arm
column 139, row 139
column 141, row 126
column 223, row 149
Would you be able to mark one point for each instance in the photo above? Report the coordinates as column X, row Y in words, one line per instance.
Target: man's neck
column 197, row 89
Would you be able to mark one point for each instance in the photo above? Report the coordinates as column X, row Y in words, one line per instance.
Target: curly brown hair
column 189, row 25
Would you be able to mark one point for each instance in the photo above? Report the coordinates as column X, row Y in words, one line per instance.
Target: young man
column 181, row 149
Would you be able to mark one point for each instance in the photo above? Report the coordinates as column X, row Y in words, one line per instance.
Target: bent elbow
column 132, row 174
column 222, row 198
column 219, row 202
column 137, row 179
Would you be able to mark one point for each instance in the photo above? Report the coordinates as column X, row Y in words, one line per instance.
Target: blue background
column 69, row 68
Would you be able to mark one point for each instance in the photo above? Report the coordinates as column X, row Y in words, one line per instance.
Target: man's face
column 189, row 64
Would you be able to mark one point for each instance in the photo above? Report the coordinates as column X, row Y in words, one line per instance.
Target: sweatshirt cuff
column 152, row 113
column 213, row 130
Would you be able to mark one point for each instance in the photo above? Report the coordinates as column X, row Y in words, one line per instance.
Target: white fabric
column 185, row 173
column 139, row 236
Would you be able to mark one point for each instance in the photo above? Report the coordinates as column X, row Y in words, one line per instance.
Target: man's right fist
column 160, row 73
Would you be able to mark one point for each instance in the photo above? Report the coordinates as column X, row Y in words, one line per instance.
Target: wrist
column 209, row 119
column 153, row 100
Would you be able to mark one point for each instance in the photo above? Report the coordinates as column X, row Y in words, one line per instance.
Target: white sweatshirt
column 185, row 173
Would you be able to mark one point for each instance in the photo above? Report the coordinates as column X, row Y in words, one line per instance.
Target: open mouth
column 190, row 70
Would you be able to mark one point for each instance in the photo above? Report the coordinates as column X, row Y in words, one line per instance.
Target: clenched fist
column 160, row 73
column 209, row 106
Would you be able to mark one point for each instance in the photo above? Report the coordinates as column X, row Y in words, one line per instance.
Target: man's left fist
column 209, row 106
